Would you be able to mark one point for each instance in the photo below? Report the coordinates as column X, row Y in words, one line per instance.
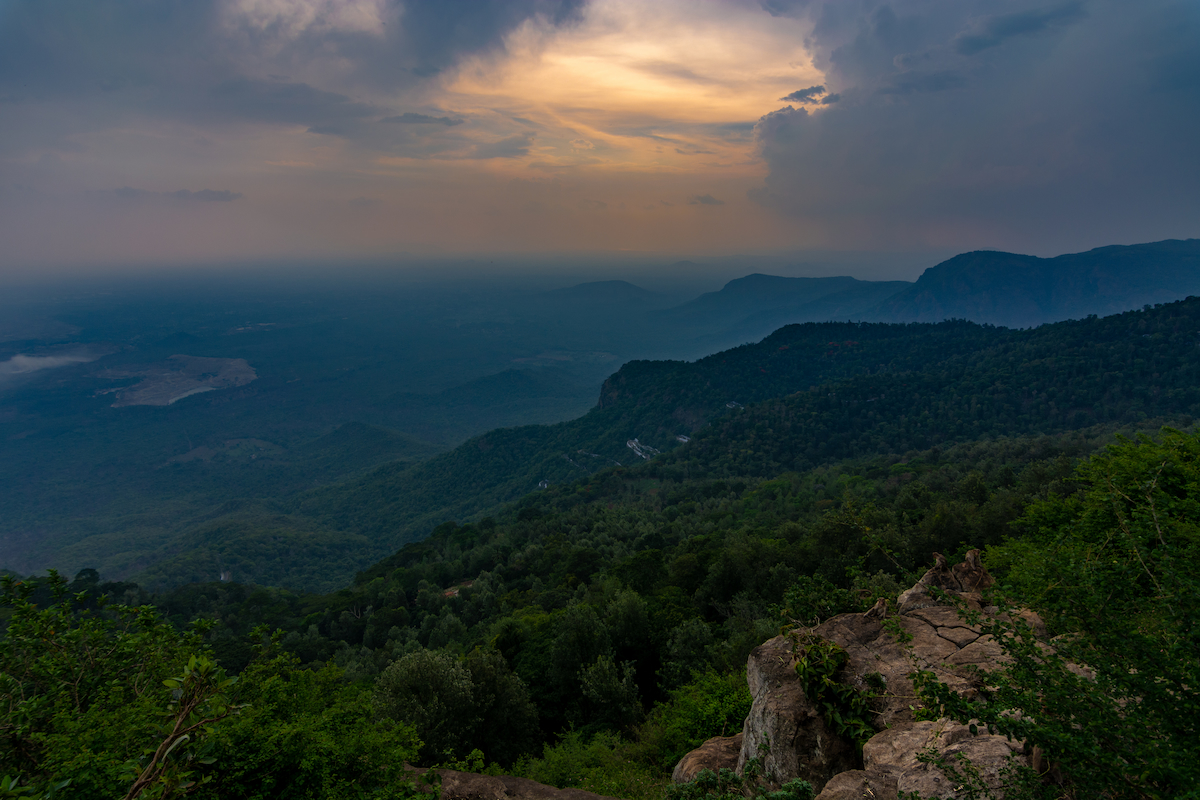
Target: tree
column 433, row 691
column 508, row 719
column 1115, row 571
column 307, row 734
column 82, row 690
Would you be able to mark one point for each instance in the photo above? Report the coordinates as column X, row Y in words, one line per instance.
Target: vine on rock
column 821, row 664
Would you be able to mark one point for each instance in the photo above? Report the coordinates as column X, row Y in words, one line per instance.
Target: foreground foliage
column 103, row 702
column 1115, row 571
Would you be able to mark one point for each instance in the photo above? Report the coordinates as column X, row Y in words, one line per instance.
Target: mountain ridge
column 1016, row 290
column 812, row 394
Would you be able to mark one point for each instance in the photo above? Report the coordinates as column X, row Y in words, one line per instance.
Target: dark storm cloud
column 437, row 32
column 993, row 31
column 808, row 95
column 202, row 60
column 409, row 118
column 993, row 123
column 910, row 82
column 76, row 48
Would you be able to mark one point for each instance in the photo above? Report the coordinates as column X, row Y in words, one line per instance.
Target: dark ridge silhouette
column 1021, row 291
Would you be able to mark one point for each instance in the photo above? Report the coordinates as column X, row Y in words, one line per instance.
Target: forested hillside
column 806, row 395
column 591, row 632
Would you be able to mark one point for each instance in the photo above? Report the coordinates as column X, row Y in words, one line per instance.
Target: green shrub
column 603, row 763
column 711, row 705
column 1116, row 568
column 308, row 734
column 728, row 785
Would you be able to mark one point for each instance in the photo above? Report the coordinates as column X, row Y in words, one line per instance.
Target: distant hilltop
column 1019, row 291
column 985, row 286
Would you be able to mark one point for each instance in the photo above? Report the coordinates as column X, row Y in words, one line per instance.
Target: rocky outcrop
column 719, row 752
column 789, row 735
column 891, row 766
column 966, row 580
column 783, row 729
column 457, row 785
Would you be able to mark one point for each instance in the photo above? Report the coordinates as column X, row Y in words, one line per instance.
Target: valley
column 131, row 489
column 588, row 591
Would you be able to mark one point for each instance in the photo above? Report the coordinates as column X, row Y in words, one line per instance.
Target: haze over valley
column 269, row 391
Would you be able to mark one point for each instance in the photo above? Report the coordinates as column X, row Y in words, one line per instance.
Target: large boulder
column 718, row 753
column 789, row 735
column 785, row 731
column 891, row 764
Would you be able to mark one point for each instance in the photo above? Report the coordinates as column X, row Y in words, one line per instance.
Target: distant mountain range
column 984, row 286
column 749, row 308
column 807, row 395
column 1020, row 291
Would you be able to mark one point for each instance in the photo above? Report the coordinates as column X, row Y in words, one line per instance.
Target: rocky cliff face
column 787, row 731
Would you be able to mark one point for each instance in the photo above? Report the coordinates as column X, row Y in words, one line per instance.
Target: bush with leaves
column 603, row 763
column 725, row 784
column 82, row 695
column 710, row 705
column 198, row 700
column 115, row 702
column 459, row 704
column 821, row 665
column 1115, row 570
column 432, row 691
column 305, row 734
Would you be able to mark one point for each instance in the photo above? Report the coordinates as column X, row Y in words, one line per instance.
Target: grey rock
column 859, row 784
column 785, row 729
column 719, row 752
column 894, row 752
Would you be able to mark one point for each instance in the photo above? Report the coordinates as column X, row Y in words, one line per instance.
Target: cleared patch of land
column 178, row 377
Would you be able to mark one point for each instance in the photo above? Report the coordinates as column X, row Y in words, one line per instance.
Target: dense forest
column 806, row 395
column 846, row 390
column 592, row 632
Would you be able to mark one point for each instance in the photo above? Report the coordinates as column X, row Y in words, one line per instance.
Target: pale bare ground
column 178, row 377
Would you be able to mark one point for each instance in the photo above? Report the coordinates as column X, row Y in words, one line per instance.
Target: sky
column 179, row 131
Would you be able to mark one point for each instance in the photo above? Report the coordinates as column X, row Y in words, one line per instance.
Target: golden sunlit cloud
column 647, row 87
column 631, row 129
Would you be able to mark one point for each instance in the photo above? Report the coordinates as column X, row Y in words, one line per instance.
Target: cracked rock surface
column 790, row 736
